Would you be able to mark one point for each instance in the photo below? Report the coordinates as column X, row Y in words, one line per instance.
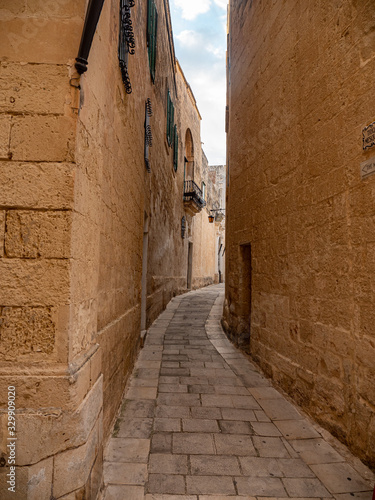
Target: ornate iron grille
column 148, row 134
column 126, row 44
column 193, row 193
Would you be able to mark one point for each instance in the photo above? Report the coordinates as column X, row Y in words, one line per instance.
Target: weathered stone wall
column 75, row 193
column 200, row 232
column 300, row 248
column 58, row 402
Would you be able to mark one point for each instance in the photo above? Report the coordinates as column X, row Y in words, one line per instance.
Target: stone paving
column 200, row 422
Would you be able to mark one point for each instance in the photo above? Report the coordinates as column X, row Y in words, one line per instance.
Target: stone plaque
column 368, row 167
column 368, row 136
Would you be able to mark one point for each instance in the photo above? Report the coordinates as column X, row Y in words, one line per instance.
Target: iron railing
column 193, row 193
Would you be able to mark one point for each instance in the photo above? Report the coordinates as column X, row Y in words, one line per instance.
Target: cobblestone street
column 200, row 422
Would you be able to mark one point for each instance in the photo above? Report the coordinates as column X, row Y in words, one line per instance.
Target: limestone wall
column 74, row 198
column 301, row 219
column 200, row 232
column 58, row 403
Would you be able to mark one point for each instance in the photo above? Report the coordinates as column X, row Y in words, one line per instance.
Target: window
column 203, row 191
column 175, row 149
column 152, row 25
column 170, row 120
column 126, row 43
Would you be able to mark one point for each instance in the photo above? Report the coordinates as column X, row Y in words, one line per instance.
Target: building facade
column 300, row 288
column 98, row 228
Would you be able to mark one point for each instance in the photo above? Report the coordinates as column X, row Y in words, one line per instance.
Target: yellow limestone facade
column 91, row 241
column 300, row 282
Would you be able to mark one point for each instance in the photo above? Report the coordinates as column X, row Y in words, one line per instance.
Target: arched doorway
column 189, row 156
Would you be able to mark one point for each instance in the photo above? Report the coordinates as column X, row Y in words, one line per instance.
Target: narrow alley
column 199, row 421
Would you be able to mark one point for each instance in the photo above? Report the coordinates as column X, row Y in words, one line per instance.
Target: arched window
column 189, row 156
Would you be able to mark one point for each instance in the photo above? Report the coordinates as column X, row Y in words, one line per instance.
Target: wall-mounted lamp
column 218, row 217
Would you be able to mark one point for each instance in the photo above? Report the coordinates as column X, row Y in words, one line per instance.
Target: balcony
column 193, row 198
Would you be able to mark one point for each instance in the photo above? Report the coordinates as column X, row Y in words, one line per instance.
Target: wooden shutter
column 175, row 149
column 152, row 24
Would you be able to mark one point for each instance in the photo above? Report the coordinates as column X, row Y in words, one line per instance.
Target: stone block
column 161, row 442
column 27, row 330
column 32, row 185
column 274, row 467
column 31, row 234
column 114, row 492
column 235, row 427
column 215, row 485
column 125, row 473
column 21, row 483
column 39, row 480
column 297, row 429
column 51, row 431
column 144, row 382
column 141, row 393
column 193, row 444
column 279, row 409
column 166, row 484
column 207, row 465
column 168, row 464
column 270, row 447
column 13, row 6
column 127, row 450
column 137, row 409
column 234, row 444
column 178, row 399
column 308, row 488
column 95, row 366
column 261, row 486
column 5, row 125
column 219, row 401
column 316, row 451
column 72, row 467
column 2, row 232
column 43, row 138
column 96, row 476
column 67, row 8
column 36, row 390
column 172, row 388
column 167, row 425
column 210, row 413
column 156, row 496
column 200, row 425
column 238, row 414
column 265, row 429
column 134, row 427
column 340, row 478
column 46, row 41
column 34, row 88
column 34, row 282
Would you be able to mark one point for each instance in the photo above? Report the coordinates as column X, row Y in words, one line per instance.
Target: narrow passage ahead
column 199, row 422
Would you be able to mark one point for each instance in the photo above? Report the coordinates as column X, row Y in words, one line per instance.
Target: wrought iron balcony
column 193, row 198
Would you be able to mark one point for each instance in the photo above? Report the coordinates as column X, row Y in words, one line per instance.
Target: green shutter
column 169, row 102
column 171, row 131
column 175, row 149
column 149, row 22
column 152, row 26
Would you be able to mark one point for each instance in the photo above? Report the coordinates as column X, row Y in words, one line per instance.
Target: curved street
column 200, row 422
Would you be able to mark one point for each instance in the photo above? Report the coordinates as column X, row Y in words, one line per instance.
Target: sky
column 199, row 32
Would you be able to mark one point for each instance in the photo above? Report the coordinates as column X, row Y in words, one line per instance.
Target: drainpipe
column 92, row 17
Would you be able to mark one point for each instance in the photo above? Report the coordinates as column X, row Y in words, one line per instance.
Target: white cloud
column 216, row 51
column 222, row 3
column 192, row 8
column 189, row 39
column 200, row 48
